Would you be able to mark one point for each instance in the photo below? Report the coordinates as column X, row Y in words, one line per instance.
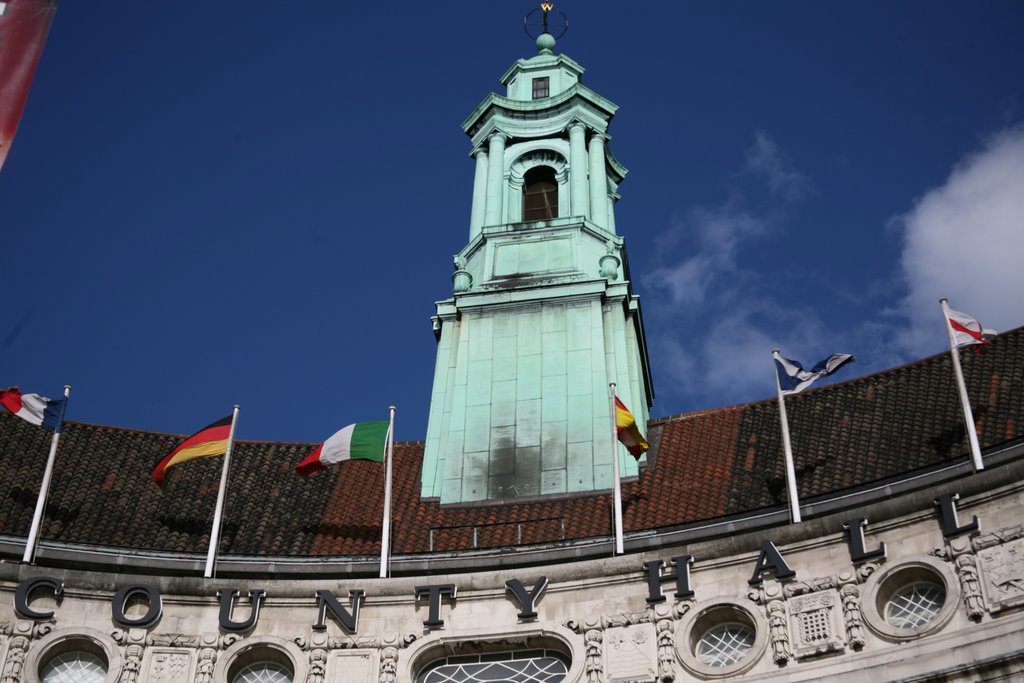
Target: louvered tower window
column 540, row 194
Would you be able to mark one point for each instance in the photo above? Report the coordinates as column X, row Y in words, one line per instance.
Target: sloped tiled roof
column 707, row 465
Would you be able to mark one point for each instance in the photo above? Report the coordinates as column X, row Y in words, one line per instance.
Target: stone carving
column 815, row 624
column 630, row 654
column 1003, row 568
column 997, row 537
column 866, row 570
column 666, row 650
column 816, row 585
column 132, row 664
column 852, row 617
column 204, row 671
column 625, row 619
column 169, row 667
column 317, row 666
column 389, row 665
column 778, row 632
column 593, row 666
column 15, row 660
column 5, row 628
column 173, row 640
column 970, row 586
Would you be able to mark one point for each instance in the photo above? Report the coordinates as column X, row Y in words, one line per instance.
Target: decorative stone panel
column 631, row 654
column 168, row 665
column 815, row 625
column 353, row 666
column 1003, row 575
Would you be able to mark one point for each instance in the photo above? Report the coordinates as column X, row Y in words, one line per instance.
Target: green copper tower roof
column 542, row 315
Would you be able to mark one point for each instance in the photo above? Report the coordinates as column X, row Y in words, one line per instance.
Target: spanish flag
column 207, row 442
column 629, row 433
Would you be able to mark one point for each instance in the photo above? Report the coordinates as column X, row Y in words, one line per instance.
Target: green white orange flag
column 359, row 441
column 208, row 442
column 628, row 431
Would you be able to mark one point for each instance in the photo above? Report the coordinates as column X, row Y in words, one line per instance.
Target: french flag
column 34, row 408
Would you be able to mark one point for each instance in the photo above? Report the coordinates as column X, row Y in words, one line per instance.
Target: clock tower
column 543, row 315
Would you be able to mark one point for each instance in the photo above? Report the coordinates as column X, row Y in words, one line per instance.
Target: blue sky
column 257, row 203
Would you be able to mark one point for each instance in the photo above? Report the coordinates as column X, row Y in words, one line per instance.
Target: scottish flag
column 794, row 379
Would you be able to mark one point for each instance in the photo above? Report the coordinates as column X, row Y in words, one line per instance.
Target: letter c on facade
column 24, row 592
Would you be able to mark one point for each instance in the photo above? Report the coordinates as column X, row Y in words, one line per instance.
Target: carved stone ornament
column 852, row 617
column 173, row 640
column 389, row 665
column 317, row 666
column 15, row 662
column 1002, row 567
column 132, row 664
column 665, row 629
column 594, row 663
column 204, row 670
column 814, row 618
column 970, row 586
column 778, row 632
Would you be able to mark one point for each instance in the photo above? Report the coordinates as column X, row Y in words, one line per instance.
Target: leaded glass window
column 534, row 666
column 74, row 667
column 264, row 672
column 725, row 644
column 915, row 604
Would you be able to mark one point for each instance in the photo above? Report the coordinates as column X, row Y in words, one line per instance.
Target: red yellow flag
column 209, row 441
column 629, row 432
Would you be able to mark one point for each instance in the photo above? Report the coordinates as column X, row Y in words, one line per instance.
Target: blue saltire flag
column 793, row 378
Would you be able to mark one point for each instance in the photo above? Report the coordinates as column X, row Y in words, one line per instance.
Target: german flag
column 207, row 442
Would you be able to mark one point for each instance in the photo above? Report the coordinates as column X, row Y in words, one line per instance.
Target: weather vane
column 556, row 26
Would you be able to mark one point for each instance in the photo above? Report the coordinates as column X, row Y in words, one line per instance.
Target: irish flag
column 359, row 441
column 209, row 441
column 629, row 432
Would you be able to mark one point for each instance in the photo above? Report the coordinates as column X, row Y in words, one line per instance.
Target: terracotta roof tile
column 706, row 464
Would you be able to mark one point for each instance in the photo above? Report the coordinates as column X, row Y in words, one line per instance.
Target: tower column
column 495, row 196
column 578, row 169
column 476, row 215
column 598, row 181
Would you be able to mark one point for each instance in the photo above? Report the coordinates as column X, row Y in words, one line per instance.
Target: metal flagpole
column 44, row 488
column 794, row 499
column 211, row 555
column 385, row 531
column 965, row 402
column 619, row 550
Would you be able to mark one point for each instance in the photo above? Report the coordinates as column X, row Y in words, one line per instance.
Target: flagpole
column 385, row 532
column 965, row 402
column 619, row 549
column 44, row 488
column 794, row 500
column 211, row 554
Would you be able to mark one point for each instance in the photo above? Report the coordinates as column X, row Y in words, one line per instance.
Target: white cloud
column 766, row 158
column 965, row 240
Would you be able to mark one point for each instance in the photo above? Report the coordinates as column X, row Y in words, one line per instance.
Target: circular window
column 725, row 645
column 721, row 639
column 915, row 604
column 74, row 667
column 911, row 599
column 263, row 672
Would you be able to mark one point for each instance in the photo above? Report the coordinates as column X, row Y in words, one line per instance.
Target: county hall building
column 908, row 564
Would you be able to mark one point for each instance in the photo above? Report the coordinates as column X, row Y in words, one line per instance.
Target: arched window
column 540, row 194
column 530, row 666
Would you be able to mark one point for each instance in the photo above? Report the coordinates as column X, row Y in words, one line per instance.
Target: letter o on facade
column 121, row 598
